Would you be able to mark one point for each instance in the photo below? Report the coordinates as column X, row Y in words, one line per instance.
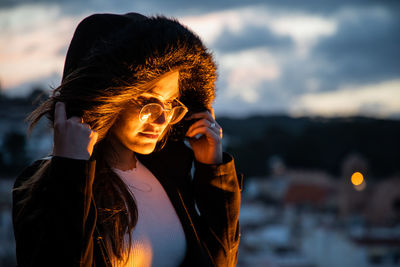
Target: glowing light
column 357, row 178
column 145, row 117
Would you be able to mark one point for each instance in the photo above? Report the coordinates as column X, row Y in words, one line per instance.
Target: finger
column 60, row 115
column 76, row 119
column 204, row 123
column 204, row 131
column 86, row 126
column 208, row 116
column 212, row 113
column 201, row 115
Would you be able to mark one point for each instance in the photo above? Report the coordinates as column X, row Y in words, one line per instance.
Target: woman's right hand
column 72, row 138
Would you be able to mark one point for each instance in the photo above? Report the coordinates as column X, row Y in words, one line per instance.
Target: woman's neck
column 120, row 157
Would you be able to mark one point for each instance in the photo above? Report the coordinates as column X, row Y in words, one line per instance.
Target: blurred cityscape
column 297, row 217
column 317, row 192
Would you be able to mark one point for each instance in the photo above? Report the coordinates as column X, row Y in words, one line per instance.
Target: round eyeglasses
column 151, row 112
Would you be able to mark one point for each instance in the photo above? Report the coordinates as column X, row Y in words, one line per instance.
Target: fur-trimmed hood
column 146, row 47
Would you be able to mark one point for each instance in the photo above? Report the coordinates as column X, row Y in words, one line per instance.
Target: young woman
column 137, row 176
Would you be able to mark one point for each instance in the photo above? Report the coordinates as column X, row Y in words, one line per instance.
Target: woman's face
column 142, row 137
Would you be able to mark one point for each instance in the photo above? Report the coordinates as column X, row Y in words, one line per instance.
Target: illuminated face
column 142, row 137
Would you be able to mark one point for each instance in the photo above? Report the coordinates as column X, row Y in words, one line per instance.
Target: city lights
column 357, row 178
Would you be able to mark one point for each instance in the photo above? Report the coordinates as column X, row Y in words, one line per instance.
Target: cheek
column 130, row 119
column 131, row 127
column 127, row 124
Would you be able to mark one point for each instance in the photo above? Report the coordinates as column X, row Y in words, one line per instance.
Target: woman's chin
column 145, row 149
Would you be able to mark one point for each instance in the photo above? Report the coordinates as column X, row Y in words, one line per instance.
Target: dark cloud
column 250, row 37
column 363, row 50
column 237, row 106
column 182, row 6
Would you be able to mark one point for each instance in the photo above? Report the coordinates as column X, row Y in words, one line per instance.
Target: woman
column 137, row 176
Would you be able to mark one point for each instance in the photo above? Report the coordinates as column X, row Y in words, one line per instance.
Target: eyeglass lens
column 151, row 112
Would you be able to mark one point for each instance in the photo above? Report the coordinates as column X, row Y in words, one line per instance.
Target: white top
column 158, row 238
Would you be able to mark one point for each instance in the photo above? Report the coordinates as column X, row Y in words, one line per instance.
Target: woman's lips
column 150, row 135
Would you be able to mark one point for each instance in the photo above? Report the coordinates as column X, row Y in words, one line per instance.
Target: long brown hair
column 117, row 210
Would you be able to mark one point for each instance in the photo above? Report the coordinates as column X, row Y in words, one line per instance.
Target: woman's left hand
column 208, row 147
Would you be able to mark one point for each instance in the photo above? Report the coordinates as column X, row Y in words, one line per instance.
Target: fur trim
column 146, row 48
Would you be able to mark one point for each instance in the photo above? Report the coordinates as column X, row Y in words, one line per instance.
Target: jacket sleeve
column 56, row 227
column 217, row 195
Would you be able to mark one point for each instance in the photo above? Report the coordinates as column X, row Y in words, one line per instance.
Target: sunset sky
column 309, row 57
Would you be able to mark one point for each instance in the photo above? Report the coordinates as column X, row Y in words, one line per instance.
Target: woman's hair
column 111, row 60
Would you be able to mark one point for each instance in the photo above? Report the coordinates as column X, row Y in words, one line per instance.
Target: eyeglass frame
column 186, row 109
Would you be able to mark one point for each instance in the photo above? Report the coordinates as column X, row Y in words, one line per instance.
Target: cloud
column 209, row 26
column 183, row 6
column 256, row 66
column 31, row 43
column 261, row 25
column 379, row 99
column 255, row 77
column 250, row 37
column 270, row 54
column 365, row 48
column 304, row 29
